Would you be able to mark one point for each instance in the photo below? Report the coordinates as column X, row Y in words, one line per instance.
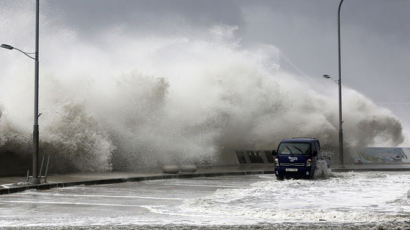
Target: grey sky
column 375, row 33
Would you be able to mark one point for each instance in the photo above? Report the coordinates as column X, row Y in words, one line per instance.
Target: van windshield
column 294, row 148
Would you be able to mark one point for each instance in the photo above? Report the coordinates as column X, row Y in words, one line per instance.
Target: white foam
column 139, row 101
column 354, row 198
column 345, row 198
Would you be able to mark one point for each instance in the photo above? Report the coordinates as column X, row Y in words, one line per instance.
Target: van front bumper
column 283, row 171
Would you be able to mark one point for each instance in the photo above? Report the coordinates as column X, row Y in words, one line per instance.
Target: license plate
column 291, row 169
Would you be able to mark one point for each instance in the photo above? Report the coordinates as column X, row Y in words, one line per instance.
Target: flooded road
column 344, row 200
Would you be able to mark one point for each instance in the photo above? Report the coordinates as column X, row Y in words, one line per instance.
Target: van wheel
column 280, row 177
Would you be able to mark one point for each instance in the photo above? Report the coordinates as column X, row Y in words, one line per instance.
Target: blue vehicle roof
column 300, row 139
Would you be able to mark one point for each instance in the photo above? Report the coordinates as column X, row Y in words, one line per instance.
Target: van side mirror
column 314, row 153
column 274, row 153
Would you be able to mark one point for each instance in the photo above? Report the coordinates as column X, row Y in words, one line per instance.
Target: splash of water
column 127, row 101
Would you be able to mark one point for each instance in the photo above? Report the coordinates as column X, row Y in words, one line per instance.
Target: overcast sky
column 375, row 33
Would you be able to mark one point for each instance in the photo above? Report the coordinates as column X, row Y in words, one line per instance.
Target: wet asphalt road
column 372, row 200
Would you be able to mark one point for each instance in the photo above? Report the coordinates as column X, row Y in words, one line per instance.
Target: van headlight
column 277, row 161
column 309, row 162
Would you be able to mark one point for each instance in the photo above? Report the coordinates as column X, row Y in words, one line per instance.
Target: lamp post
column 340, row 89
column 35, row 178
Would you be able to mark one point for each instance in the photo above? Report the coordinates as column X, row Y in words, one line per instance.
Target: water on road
column 348, row 200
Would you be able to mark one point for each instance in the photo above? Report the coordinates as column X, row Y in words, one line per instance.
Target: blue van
column 297, row 158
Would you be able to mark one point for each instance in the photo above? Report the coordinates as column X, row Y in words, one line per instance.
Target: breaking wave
column 124, row 101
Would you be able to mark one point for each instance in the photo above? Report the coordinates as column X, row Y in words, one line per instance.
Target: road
column 344, row 200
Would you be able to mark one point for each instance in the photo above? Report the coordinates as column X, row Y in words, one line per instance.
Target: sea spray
column 123, row 100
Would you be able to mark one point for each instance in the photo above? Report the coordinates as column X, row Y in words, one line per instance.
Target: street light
column 5, row 46
column 35, row 178
column 330, row 78
column 326, row 76
column 9, row 47
column 340, row 88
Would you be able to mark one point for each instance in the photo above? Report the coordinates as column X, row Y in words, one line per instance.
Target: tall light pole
column 35, row 178
column 340, row 89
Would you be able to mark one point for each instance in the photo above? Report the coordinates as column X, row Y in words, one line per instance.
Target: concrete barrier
column 172, row 169
column 188, row 168
column 254, row 156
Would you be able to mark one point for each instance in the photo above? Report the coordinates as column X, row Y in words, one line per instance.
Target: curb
column 129, row 179
column 369, row 169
